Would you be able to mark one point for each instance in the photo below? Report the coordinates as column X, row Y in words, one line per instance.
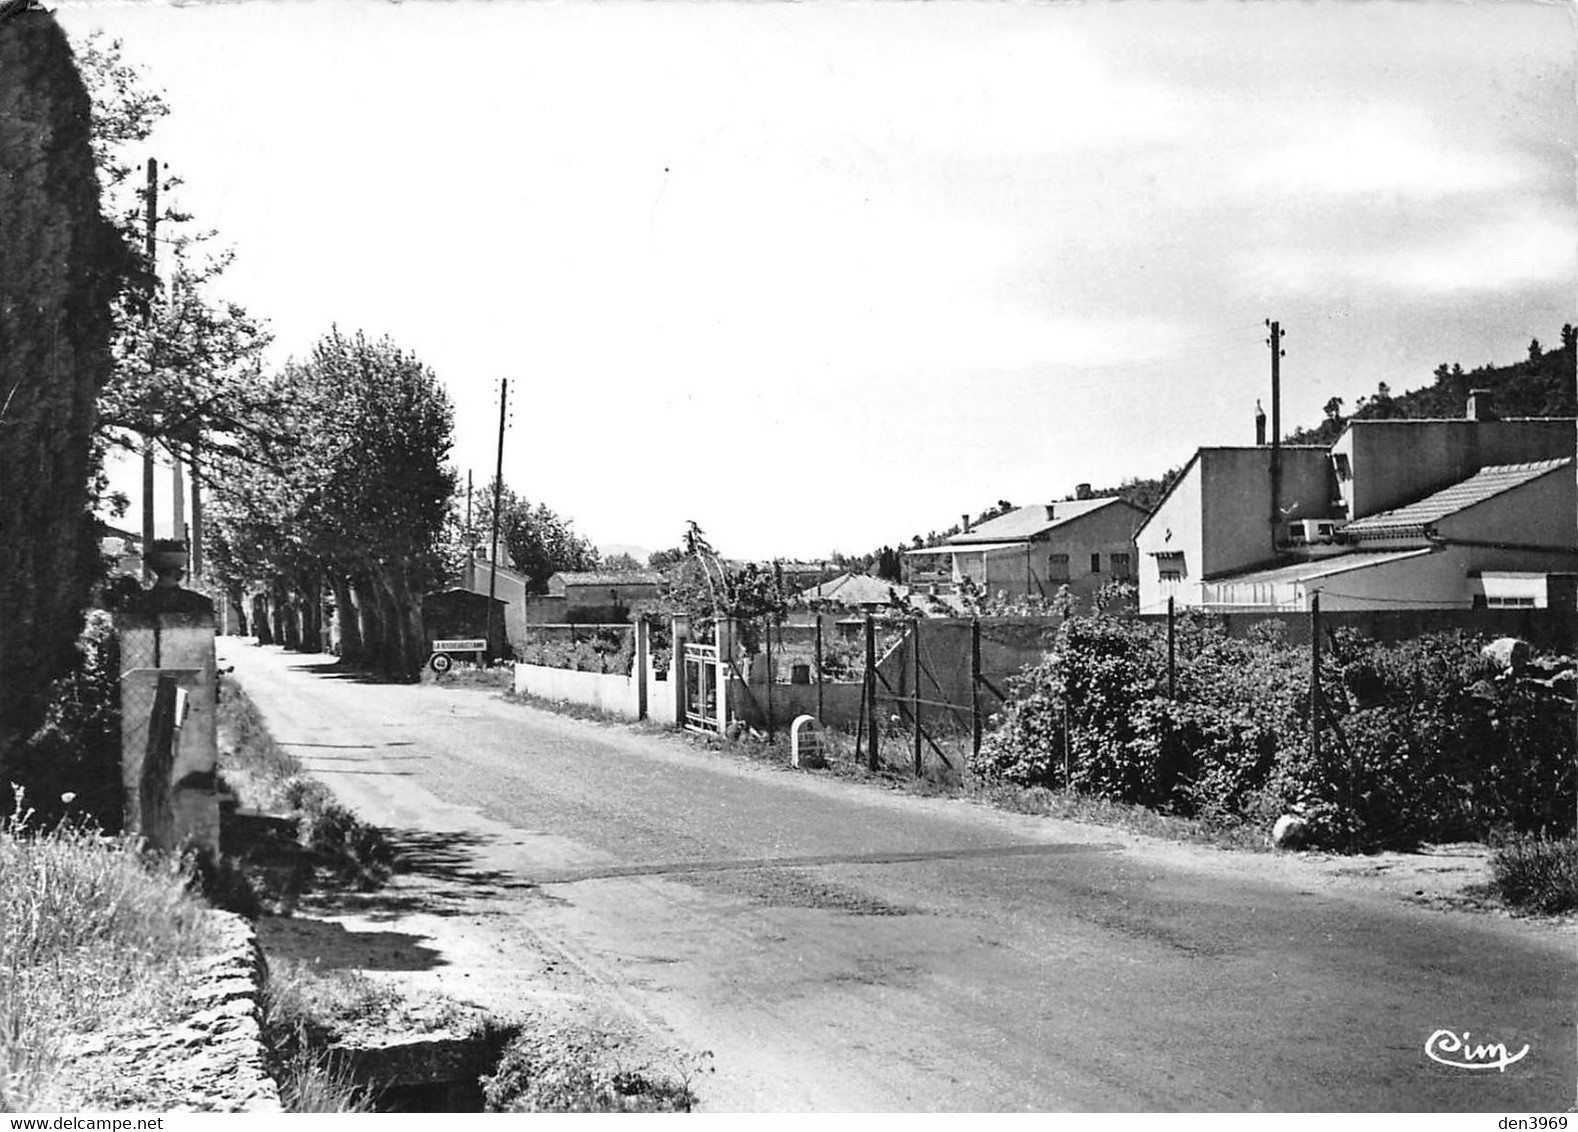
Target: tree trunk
column 346, row 615
column 397, row 646
column 370, row 610
column 311, row 591
column 413, row 634
column 260, row 620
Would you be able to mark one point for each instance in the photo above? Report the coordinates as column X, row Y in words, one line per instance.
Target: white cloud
column 1514, row 249
column 1392, row 151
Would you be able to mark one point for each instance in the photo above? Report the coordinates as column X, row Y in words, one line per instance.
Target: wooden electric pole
column 498, row 487
column 1275, row 342
column 150, row 229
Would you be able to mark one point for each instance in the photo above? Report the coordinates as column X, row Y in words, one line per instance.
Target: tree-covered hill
column 1542, row 385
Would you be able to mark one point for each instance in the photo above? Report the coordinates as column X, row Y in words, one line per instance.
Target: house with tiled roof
column 1424, row 514
column 1035, row 551
column 602, row 595
column 855, row 592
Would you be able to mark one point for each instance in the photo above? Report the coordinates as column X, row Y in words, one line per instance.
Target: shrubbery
column 1424, row 739
column 610, row 650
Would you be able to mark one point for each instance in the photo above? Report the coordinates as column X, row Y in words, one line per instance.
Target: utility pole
column 498, row 487
column 1315, row 702
column 197, row 517
column 177, row 492
column 1277, row 353
column 150, row 228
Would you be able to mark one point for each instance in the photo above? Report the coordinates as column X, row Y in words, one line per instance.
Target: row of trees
column 348, row 495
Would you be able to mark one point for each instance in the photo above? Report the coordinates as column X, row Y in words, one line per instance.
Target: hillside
column 1542, row 385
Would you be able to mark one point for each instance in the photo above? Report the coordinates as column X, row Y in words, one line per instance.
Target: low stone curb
column 213, row 1059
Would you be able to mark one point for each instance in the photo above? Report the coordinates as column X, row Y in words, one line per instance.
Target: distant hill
column 1542, row 385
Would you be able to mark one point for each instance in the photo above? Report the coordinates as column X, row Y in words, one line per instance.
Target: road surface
column 842, row 947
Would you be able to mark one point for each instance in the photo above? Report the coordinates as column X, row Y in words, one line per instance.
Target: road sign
column 440, row 663
column 464, row 644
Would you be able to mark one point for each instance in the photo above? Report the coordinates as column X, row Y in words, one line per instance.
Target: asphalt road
column 841, row 947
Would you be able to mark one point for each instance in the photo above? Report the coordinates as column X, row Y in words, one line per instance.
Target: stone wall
column 214, row 1059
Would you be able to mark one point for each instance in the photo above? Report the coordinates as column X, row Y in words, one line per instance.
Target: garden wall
column 612, row 694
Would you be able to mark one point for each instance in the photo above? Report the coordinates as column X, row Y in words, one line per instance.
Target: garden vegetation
column 1426, row 740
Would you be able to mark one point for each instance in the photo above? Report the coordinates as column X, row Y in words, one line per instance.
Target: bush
column 610, row 650
column 1537, row 874
column 1421, row 740
column 77, row 750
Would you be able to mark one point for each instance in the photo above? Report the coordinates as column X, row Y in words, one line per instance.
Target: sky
column 824, row 276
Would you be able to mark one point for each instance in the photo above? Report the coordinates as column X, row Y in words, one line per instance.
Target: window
column 1095, row 563
column 1171, row 574
column 1057, row 567
column 1342, row 466
column 1498, row 601
column 1120, row 565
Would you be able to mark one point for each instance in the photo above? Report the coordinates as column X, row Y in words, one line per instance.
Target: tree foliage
column 354, row 496
column 187, row 363
column 60, row 264
column 1427, row 739
column 1541, row 385
column 534, row 538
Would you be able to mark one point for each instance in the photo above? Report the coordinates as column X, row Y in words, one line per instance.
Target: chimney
column 964, row 523
column 1082, row 491
column 1051, row 514
column 1260, row 425
column 1479, row 406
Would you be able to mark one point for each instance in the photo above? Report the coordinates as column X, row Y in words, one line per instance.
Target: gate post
column 641, row 663
column 679, row 635
column 873, row 756
column 724, row 633
column 168, row 692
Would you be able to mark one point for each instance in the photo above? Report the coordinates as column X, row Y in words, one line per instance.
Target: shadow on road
column 336, row 669
column 327, row 944
column 435, row 874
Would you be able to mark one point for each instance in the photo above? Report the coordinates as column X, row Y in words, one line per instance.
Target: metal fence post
column 873, row 760
column 915, row 696
column 975, row 685
column 819, row 668
column 1172, row 654
column 767, row 651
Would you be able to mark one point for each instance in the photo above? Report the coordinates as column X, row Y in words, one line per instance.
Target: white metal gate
column 706, row 707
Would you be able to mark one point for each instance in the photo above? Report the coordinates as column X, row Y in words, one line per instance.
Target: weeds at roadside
column 567, row 1069
column 1537, row 874
column 336, row 841
column 94, row 933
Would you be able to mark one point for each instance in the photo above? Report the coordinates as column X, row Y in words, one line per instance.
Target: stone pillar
column 169, row 684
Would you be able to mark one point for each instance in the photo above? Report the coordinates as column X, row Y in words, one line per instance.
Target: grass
column 558, row 1068
column 273, row 781
column 93, row 934
column 1537, row 874
column 303, row 1012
